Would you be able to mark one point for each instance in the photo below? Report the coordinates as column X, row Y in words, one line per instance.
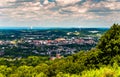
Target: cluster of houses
column 1, row 53
column 62, row 41
column 3, row 42
column 58, row 42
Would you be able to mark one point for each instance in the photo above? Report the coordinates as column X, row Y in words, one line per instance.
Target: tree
column 110, row 41
column 4, row 70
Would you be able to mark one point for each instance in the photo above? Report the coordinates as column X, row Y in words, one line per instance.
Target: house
column 60, row 39
column 58, row 56
column 52, row 58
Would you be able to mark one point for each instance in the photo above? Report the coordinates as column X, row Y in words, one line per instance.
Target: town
column 23, row 43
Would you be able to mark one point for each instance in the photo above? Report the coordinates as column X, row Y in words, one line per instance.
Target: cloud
column 66, row 2
column 6, row 2
column 57, row 12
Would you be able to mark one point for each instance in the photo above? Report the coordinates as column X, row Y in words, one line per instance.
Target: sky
column 59, row 13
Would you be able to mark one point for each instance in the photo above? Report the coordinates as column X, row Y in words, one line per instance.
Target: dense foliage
column 102, row 61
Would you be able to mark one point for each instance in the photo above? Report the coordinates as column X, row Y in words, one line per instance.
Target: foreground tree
column 110, row 41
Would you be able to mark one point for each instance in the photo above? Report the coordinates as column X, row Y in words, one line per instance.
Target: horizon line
column 47, row 27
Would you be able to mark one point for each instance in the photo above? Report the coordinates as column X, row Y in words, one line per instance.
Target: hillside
column 104, row 57
column 107, row 52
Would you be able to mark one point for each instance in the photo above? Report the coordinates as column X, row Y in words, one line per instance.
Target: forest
column 101, row 61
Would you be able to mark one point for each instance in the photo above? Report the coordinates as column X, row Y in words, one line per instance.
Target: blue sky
column 59, row 13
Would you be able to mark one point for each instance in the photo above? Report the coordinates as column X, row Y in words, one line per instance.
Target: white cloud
column 60, row 11
column 66, row 2
column 113, row 5
column 46, row 2
column 5, row 2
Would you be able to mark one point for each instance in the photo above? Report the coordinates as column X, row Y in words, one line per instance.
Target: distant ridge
column 46, row 28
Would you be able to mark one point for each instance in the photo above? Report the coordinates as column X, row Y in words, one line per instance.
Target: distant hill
column 52, row 28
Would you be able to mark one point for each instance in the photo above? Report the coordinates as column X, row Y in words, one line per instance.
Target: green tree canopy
column 110, row 41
